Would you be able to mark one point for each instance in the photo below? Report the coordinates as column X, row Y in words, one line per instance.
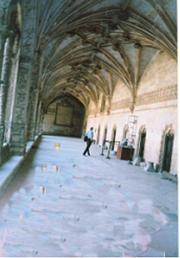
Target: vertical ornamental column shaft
column 20, row 119
column 2, row 42
column 33, row 115
column 4, row 85
column 34, row 100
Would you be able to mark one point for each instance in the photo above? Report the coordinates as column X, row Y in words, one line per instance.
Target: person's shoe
column 89, row 154
column 84, row 154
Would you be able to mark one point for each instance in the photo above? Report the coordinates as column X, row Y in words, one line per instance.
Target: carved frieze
column 121, row 104
column 160, row 95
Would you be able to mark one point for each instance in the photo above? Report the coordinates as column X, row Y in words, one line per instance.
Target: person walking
column 89, row 135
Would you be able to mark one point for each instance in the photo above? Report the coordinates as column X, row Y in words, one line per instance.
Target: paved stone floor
column 64, row 204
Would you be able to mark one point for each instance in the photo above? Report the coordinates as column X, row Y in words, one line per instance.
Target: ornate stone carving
column 163, row 94
column 160, row 95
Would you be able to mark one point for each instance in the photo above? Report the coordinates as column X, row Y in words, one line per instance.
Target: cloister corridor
column 61, row 203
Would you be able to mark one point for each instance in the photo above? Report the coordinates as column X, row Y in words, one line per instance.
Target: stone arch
column 166, row 148
column 141, row 142
column 65, row 117
column 113, row 136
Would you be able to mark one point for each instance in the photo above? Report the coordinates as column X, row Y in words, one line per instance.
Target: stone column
column 33, row 105
column 33, row 115
column 5, row 75
column 4, row 5
column 12, row 90
column 4, row 85
column 2, row 43
column 38, row 126
column 20, row 118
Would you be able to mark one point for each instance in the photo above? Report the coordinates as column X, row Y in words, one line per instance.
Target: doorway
column 167, row 153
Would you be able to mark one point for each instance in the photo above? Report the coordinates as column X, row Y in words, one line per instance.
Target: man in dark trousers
column 90, row 135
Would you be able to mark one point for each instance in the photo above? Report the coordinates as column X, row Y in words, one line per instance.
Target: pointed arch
column 166, row 149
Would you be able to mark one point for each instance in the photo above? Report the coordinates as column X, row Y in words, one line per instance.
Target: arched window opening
column 98, row 134
column 113, row 138
column 141, row 143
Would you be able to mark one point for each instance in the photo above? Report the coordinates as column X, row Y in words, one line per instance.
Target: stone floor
column 64, row 204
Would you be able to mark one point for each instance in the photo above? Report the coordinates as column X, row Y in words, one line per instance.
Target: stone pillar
column 2, row 43
column 20, row 118
column 33, row 105
column 39, row 118
column 33, row 115
column 12, row 90
column 5, row 75
column 4, row 5
column 1, row 142
column 4, row 85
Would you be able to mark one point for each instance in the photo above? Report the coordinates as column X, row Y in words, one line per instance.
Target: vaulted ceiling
column 86, row 46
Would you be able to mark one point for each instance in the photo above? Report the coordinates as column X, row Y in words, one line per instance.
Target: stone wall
column 64, row 117
column 156, row 108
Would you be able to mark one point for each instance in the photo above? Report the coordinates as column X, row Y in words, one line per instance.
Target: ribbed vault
column 86, row 46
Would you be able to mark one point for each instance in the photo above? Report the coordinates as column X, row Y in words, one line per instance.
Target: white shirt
column 90, row 134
